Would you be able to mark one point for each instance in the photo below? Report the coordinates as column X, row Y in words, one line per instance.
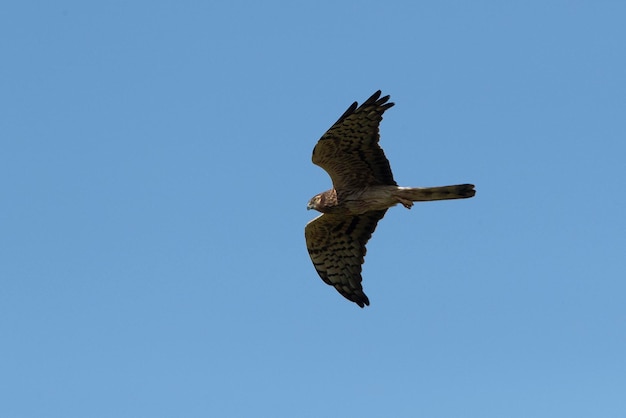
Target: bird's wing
column 336, row 244
column 349, row 150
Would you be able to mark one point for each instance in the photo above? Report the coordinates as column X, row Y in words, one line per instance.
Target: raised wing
column 349, row 150
column 336, row 244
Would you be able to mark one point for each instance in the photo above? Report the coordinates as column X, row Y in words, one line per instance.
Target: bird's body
column 378, row 197
column 363, row 190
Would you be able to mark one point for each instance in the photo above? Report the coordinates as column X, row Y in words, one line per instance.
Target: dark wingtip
column 375, row 98
column 379, row 101
column 362, row 301
column 354, row 295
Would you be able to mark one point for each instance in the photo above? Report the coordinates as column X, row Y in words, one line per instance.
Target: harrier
column 363, row 190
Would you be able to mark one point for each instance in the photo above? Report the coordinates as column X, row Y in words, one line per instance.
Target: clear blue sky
column 154, row 174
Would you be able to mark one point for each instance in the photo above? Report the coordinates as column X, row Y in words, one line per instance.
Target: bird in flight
column 363, row 190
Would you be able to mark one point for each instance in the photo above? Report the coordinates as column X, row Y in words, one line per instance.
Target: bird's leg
column 406, row 203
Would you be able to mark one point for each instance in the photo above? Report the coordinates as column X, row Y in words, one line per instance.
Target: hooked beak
column 309, row 206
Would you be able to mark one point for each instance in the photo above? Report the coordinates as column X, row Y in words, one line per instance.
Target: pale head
column 315, row 202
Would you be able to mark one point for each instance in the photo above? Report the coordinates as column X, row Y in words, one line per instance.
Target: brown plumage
column 363, row 190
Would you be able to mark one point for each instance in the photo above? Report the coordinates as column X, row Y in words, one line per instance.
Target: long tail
column 421, row 194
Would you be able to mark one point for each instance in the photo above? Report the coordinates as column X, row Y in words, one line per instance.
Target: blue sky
column 155, row 170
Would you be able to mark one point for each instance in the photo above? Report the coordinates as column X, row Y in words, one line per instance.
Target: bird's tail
column 421, row 194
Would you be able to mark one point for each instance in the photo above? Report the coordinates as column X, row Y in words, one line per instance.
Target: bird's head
column 315, row 202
